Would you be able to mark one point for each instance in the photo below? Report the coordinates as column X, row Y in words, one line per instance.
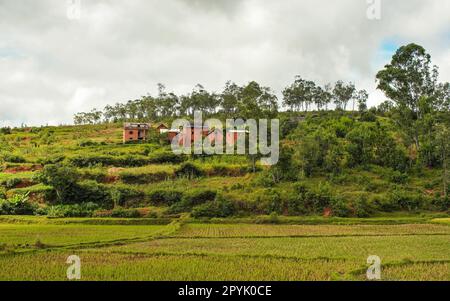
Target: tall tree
column 410, row 81
column 342, row 94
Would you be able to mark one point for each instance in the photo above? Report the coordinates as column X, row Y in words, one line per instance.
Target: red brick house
column 134, row 132
column 162, row 128
column 192, row 130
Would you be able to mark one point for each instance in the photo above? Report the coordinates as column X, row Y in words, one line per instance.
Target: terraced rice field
column 227, row 251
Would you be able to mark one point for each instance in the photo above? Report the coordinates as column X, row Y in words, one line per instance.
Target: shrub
column 198, row 197
column 91, row 191
column 218, row 208
column 125, row 213
column 62, row 178
column 407, row 201
column 368, row 117
column 51, row 160
column 270, row 202
column 189, row 170
column 396, row 177
column 18, row 204
column 165, row 197
column 192, row 199
column 12, row 182
column 442, row 203
column 361, row 207
column 144, row 177
column 97, row 175
column 87, row 143
column 13, row 158
column 5, row 130
column 2, row 192
column 165, row 157
column 76, row 210
column 340, row 208
column 121, row 195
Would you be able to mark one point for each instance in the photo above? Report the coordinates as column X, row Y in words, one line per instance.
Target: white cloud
column 51, row 67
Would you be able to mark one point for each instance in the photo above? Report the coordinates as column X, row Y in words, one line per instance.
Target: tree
column 230, row 98
column 362, row 96
column 257, row 102
column 443, row 139
column 410, row 81
column 342, row 94
column 299, row 95
column 62, row 178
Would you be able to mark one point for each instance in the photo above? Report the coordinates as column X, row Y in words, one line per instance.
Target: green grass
column 445, row 221
column 388, row 248
column 62, row 235
column 248, row 230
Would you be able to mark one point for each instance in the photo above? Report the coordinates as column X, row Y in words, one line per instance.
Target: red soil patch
column 111, row 179
column 20, row 169
column 24, row 184
column 327, row 212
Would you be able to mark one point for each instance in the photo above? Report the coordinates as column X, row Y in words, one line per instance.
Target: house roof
column 162, row 125
column 136, row 126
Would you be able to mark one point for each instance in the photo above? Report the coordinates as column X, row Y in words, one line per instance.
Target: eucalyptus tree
column 410, row 81
column 342, row 94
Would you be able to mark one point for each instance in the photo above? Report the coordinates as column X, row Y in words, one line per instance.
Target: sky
column 61, row 57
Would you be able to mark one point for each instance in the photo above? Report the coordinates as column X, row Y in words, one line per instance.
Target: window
column 131, row 132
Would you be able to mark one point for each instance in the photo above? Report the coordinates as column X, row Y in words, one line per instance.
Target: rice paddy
column 222, row 252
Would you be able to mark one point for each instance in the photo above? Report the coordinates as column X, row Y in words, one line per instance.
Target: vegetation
column 180, row 251
column 229, row 217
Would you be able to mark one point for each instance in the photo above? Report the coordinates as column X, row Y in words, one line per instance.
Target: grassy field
column 195, row 251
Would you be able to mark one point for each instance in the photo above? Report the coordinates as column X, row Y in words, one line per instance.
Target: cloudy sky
column 53, row 65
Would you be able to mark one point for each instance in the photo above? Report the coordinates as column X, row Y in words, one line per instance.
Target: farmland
column 184, row 250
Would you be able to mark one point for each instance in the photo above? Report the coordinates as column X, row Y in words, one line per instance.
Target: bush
column 396, row 177
column 361, row 207
column 19, row 204
column 91, row 191
column 2, row 192
column 368, row 117
column 198, row 197
column 442, row 203
column 189, row 170
column 87, row 143
column 51, row 160
column 165, row 197
column 125, row 213
column 97, row 175
column 270, row 202
column 121, row 195
column 12, row 182
column 76, row 210
column 63, row 179
column 193, row 199
column 5, row 130
column 400, row 200
column 144, row 177
column 340, row 208
column 165, row 157
column 11, row 158
column 218, row 208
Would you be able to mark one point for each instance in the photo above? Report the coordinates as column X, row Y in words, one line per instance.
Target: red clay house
column 162, row 128
column 134, row 132
column 192, row 130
